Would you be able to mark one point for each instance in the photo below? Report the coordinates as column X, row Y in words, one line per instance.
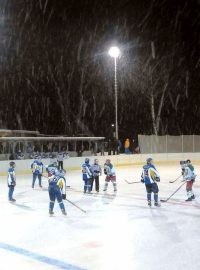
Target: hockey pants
column 152, row 188
column 55, row 193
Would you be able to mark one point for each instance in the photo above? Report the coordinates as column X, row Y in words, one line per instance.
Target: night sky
column 56, row 75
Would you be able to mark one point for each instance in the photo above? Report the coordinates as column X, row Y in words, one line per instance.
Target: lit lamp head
column 114, row 52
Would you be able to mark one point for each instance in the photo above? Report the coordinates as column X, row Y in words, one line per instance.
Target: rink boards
column 74, row 163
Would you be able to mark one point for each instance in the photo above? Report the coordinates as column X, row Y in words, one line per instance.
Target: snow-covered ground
column 117, row 232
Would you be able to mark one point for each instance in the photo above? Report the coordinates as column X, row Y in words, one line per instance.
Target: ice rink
column 117, row 232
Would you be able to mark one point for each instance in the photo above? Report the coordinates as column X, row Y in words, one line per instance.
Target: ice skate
column 189, row 199
column 193, row 197
column 51, row 213
column 157, row 204
column 149, row 203
column 12, row 200
column 64, row 212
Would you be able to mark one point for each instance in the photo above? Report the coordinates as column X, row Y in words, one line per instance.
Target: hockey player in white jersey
column 189, row 176
column 109, row 171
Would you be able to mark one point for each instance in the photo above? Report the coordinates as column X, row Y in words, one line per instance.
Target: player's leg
column 148, row 190
column 10, row 193
column 34, row 179
column 189, row 190
column 40, row 180
column 155, row 190
column 52, row 197
column 97, row 183
column 113, row 180
column 107, row 180
column 59, row 199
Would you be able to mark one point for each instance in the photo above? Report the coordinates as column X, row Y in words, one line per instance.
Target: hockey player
column 37, row 169
column 150, row 177
column 55, row 192
column 109, row 171
column 189, row 176
column 87, row 175
column 96, row 170
column 11, row 181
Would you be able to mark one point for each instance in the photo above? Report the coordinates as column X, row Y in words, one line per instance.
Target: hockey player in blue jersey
column 55, row 185
column 11, row 181
column 37, row 169
column 150, row 177
column 87, row 175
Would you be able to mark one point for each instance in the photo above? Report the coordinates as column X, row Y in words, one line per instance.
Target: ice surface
column 117, row 232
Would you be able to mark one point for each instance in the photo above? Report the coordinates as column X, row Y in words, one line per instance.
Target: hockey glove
column 142, row 180
column 157, row 179
column 64, row 196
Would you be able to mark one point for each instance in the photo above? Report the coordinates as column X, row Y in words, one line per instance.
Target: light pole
column 114, row 52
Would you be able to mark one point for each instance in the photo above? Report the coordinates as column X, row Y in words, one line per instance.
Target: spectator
column 126, row 146
column 19, row 155
column 120, row 146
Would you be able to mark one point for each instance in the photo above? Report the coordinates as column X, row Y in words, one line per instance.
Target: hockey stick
column 175, row 179
column 76, row 206
column 173, row 193
column 132, row 182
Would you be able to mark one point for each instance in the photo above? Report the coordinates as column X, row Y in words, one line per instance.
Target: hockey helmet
column 149, row 160
column 107, row 161
column 87, row 160
column 55, row 163
column 52, row 171
column 12, row 164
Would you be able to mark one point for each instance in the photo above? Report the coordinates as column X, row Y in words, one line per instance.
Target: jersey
column 96, row 169
column 149, row 174
column 189, row 173
column 37, row 167
column 86, row 171
column 11, row 177
column 109, row 169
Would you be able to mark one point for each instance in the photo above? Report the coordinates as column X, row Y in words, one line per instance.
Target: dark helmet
column 87, row 160
column 12, row 164
column 188, row 161
column 149, row 160
column 55, row 163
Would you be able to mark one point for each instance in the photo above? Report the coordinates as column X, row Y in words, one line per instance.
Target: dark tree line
column 56, row 75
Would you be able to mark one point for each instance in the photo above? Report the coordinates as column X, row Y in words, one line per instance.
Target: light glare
column 114, row 52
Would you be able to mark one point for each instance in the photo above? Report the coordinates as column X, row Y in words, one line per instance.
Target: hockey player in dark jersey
column 87, row 175
column 37, row 169
column 150, row 177
column 55, row 192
